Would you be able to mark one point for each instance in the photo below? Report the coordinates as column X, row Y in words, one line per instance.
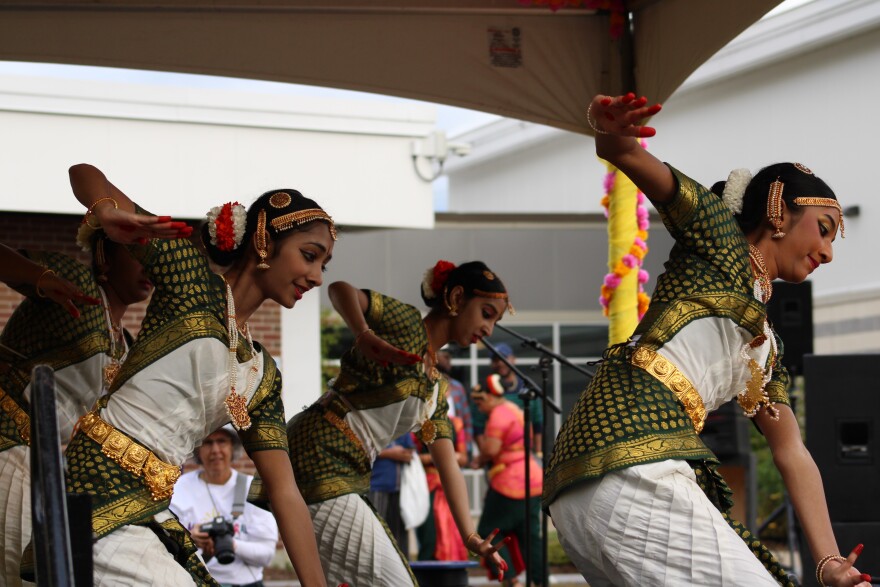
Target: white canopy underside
column 524, row 62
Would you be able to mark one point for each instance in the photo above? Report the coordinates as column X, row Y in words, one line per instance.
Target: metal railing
column 53, row 558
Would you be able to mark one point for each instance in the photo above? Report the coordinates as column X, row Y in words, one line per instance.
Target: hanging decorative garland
column 636, row 255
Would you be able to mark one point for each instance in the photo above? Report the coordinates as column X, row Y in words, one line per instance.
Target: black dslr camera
column 221, row 531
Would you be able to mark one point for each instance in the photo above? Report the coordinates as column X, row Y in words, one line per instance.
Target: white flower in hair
column 226, row 225
column 427, row 292
column 735, row 189
column 84, row 236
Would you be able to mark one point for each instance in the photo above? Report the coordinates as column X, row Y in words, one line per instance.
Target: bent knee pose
column 635, row 494
column 193, row 368
column 389, row 385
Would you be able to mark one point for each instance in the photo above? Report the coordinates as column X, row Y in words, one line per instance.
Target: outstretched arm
column 292, row 515
column 115, row 212
column 443, row 455
column 617, row 123
column 27, row 278
column 804, row 485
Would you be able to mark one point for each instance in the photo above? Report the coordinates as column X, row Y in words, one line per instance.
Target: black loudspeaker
column 842, row 395
column 790, row 311
column 726, row 432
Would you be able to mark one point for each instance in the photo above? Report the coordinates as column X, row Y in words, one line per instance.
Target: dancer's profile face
column 126, row 276
column 297, row 264
column 807, row 243
column 476, row 318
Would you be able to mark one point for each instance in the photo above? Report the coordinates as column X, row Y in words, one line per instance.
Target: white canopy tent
column 499, row 56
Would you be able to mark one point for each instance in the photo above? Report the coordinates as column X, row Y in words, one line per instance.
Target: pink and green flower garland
column 636, row 255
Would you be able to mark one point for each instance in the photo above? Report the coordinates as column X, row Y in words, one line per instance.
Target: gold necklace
column 759, row 267
column 117, row 356
column 433, row 372
column 236, row 403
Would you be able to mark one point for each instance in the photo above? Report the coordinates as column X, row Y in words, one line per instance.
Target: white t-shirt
column 196, row 502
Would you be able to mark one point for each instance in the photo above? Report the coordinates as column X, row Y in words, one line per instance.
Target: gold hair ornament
column 262, row 249
column 288, row 221
column 774, row 207
column 497, row 296
column 830, row 202
column 280, row 200
column 803, row 168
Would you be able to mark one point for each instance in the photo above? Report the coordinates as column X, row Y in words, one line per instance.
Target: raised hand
column 621, row 115
column 127, row 227
column 842, row 573
column 63, row 293
column 377, row 349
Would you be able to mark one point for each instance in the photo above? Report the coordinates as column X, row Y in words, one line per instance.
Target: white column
column 301, row 353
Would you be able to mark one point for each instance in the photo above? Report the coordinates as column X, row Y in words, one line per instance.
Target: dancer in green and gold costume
column 71, row 320
column 633, row 491
column 389, row 385
column 194, row 368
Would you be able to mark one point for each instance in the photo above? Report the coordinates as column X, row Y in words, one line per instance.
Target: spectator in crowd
column 385, row 485
column 211, row 503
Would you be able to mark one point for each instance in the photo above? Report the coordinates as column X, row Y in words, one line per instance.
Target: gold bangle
column 40, row 291
column 467, row 541
column 357, row 339
column 91, row 210
column 824, row 561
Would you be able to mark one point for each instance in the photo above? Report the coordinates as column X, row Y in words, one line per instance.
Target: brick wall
column 56, row 232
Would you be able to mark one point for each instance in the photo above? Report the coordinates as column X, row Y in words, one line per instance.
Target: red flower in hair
column 441, row 273
column 225, row 228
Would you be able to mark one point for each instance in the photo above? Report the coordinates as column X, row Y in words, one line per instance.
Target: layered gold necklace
column 118, row 346
column 236, row 403
column 754, row 396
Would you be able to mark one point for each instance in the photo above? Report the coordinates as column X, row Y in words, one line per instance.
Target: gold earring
column 774, row 208
column 261, row 240
column 451, row 308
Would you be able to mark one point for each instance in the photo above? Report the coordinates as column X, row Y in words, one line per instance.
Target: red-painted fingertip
column 508, row 540
column 629, row 97
column 504, row 566
column 142, row 240
column 178, row 225
column 652, row 110
column 73, row 312
column 605, row 101
column 858, row 549
column 647, row 131
column 163, row 218
column 866, row 577
column 640, row 101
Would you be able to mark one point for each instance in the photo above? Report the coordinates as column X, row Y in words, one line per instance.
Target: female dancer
column 84, row 347
column 193, row 368
column 633, row 491
column 502, row 450
column 389, row 385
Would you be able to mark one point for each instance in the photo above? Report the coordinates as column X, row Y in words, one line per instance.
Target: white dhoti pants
column 15, row 511
column 652, row 525
column 133, row 556
column 354, row 546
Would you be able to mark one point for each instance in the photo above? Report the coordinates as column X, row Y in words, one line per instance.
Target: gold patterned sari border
column 20, row 417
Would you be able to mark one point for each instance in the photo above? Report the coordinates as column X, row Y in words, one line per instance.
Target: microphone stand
column 529, row 392
column 547, row 358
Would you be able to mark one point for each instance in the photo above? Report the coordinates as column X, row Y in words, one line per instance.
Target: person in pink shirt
column 502, row 450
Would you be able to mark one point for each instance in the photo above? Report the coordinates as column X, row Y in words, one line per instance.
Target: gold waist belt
column 664, row 371
column 19, row 416
column 158, row 475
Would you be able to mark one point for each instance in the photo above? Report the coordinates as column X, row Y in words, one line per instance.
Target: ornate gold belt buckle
column 160, row 477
